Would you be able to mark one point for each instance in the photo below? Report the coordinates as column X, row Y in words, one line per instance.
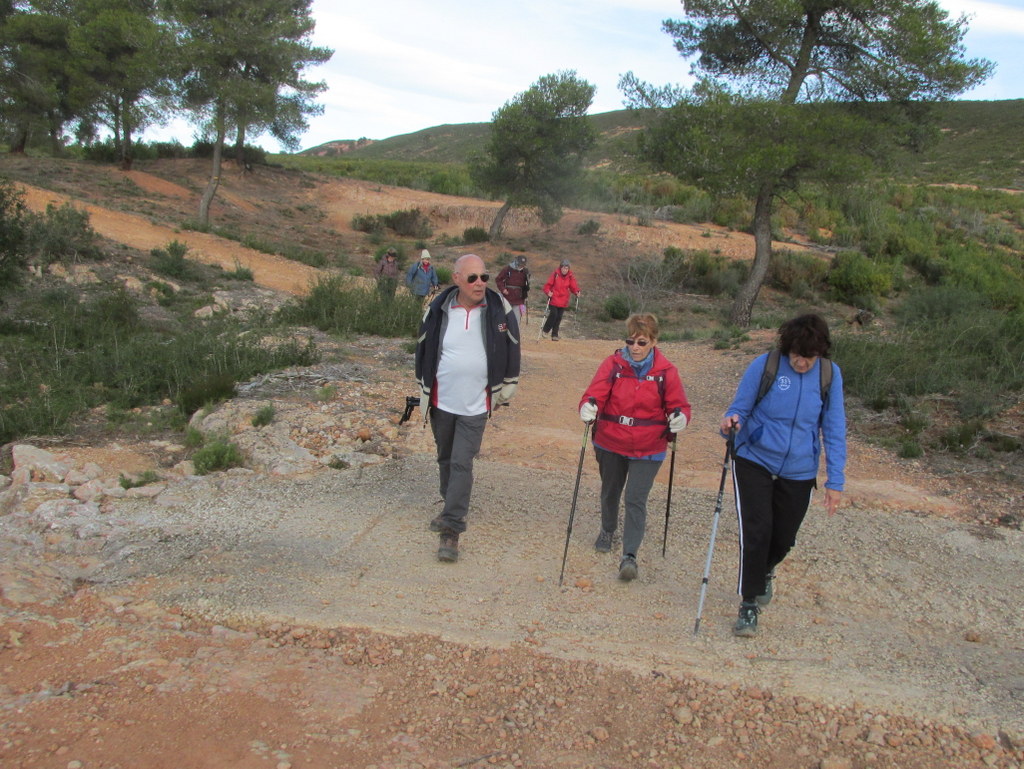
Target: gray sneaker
column 746, row 622
column 627, row 568
column 448, row 550
column 604, row 542
column 766, row 597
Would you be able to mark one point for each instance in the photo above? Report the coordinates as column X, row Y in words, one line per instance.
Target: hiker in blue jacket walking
column 781, row 418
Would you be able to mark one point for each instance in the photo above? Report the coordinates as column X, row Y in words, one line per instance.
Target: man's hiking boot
column 746, row 622
column 554, row 337
column 766, row 597
column 449, row 549
column 435, row 524
column 627, row 568
column 545, row 334
column 604, row 542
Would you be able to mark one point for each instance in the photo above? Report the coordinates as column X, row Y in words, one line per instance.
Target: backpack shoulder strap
column 826, row 381
column 771, row 368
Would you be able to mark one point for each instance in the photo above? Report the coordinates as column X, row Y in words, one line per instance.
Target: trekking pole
column 714, row 529
column 540, row 329
column 575, row 492
column 668, row 502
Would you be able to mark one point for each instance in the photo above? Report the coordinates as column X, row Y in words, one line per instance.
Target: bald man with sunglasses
column 467, row 365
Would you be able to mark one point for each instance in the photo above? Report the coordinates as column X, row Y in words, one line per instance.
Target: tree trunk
column 20, row 142
column 499, row 221
column 125, row 140
column 240, row 148
column 211, row 186
column 743, row 305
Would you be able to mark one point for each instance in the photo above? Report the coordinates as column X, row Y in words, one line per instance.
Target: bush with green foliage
column 334, row 306
column 264, row 415
column 171, row 262
column 949, row 341
column 63, row 234
column 475, row 235
column 66, row 354
column 617, row 307
column 796, row 272
column 408, row 224
column 703, row 272
column 589, row 227
column 217, row 454
column 857, row 280
column 14, row 227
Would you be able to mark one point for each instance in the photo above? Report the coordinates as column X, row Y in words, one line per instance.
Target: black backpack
column 771, row 368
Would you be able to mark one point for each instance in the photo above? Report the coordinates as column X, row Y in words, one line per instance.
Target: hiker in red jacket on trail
column 559, row 287
column 638, row 403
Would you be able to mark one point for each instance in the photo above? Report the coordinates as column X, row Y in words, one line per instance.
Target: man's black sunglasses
column 473, row 278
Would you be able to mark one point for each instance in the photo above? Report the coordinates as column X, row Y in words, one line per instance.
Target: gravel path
column 894, row 638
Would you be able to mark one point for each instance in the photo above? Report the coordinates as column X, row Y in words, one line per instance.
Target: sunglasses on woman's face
column 484, row 277
column 637, row 342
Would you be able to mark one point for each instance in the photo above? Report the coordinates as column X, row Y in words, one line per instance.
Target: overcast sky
column 400, row 66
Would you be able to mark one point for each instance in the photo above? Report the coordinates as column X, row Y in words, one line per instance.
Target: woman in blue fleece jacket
column 778, row 443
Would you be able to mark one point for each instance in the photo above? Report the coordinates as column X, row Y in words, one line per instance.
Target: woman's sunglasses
column 473, row 278
column 637, row 342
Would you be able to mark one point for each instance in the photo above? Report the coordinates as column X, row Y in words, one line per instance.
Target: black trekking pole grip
column 575, row 493
column 668, row 502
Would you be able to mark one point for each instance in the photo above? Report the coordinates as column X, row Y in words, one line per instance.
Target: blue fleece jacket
column 783, row 433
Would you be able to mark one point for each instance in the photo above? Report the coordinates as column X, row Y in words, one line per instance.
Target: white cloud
column 995, row 18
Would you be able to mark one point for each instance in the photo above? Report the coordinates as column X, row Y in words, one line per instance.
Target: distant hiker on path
column 559, row 287
column 636, row 393
column 467, row 364
column 421, row 277
column 386, row 273
column 514, row 284
column 780, row 428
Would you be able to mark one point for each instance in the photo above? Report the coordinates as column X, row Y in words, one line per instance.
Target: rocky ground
column 292, row 613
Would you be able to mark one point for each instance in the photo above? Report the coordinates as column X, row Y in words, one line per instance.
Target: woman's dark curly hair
column 806, row 335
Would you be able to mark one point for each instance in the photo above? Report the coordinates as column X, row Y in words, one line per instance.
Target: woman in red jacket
column 636, row 400
column 559, row 287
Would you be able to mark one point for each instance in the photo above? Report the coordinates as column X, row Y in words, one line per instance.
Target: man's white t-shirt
column 462, row 371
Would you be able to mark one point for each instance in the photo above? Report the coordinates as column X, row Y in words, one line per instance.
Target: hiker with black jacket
column 636, row 401
column 779, row 431
column 467, row 364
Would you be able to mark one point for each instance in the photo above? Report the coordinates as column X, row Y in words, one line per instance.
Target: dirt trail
column 305, row 620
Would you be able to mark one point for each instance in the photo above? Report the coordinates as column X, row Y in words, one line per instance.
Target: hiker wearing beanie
column 422, row 277
column 560, row 286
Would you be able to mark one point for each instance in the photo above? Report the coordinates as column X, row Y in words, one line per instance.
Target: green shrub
column 74, row 353
column 217, row 454
column 239, row 273
column 333, row 306
column 475, row 235
column 171, row 262
column 63, row 234
column 796, row 272
column 263, row 416
column 617, row 307
column 14, row 235
column 589, row 227
column 143, row 479
column 410, row 224
column 854, row 278
column 444, row 274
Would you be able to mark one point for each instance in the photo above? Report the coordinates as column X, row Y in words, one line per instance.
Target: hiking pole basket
column 575, row 494
column 714, row 529
column 668, row 502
